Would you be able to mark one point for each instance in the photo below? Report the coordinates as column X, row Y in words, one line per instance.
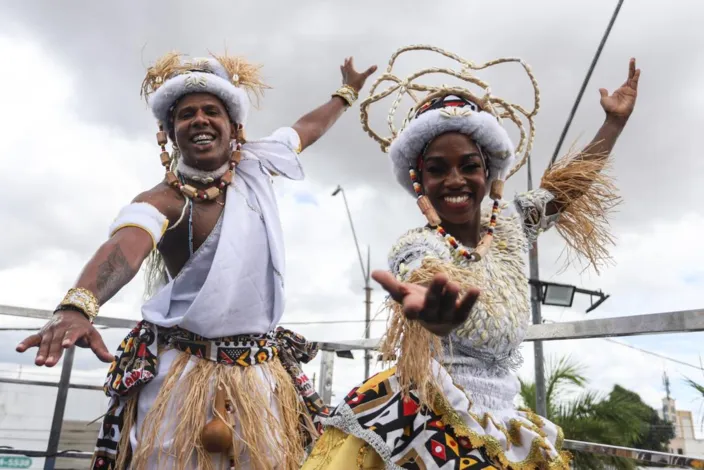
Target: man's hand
column 353, row 78
column 66, row 328
column 619, row 105
column 437, row 307
column 313, row 125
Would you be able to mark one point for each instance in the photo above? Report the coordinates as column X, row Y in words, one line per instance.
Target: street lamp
column 562, row 295
column 558, row 295
column 366, row 275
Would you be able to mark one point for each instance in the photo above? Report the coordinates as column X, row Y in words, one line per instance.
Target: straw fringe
column 414, row 347
column 412, row 344
column 130, row 414
column 583, row 188
column 271, row 441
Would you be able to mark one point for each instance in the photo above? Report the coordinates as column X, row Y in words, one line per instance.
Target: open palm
column 351, row 77
column 621, row 102
column 437, row 307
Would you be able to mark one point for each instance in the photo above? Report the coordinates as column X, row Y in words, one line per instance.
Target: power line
column 644, row 351
column 661, row 356
column 585, row 82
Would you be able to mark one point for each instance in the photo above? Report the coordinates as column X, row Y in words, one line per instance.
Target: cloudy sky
column 78, row 144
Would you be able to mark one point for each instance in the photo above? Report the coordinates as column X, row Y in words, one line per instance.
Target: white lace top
column 486, row 345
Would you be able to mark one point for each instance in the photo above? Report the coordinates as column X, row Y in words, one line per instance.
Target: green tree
column 657, row 433
column 696, row 386
column 619, row 418
column 699, row 388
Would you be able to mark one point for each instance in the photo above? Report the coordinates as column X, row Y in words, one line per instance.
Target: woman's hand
column 353, row 78
column 619, row 105
column 437, row 307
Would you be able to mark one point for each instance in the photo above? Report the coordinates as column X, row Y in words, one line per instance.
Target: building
column 25, row 421
column 685, row 441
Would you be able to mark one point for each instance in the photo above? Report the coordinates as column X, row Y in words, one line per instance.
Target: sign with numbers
column 12, row 461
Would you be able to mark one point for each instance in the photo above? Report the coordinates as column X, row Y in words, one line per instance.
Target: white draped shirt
column 234, row 283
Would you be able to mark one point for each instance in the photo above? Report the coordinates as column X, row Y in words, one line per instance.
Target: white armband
column 142, row 215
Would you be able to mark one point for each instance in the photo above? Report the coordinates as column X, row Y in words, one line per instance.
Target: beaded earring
column 240, row 134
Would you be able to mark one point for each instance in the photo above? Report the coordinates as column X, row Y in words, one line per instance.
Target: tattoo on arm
column 112, row 275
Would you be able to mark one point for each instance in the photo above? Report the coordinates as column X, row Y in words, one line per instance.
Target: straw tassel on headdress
column 244, row 74
column 164, row 68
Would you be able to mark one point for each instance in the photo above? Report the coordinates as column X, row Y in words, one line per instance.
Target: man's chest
column 195, row 224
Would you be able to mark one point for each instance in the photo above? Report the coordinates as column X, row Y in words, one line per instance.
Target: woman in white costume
column 459, row 295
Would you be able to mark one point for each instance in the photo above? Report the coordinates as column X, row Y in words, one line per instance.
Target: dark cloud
column 301, row 46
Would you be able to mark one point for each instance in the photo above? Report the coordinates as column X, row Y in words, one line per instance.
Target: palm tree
column 697, row 387
column 619, row 418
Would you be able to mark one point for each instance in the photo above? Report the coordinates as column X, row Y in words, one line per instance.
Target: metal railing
column 659, row 323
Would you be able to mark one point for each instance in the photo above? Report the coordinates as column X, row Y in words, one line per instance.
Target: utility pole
column 366, row 274
column 541, row 406
column 540, row 395
column 368, row 314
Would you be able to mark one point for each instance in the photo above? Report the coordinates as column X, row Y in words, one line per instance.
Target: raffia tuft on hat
column 232, row 79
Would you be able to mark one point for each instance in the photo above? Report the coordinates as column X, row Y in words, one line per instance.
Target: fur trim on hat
column 235, row 99
column 482, row 127
column 232, row 79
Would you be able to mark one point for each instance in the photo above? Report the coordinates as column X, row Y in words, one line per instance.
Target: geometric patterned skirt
column 376, row 427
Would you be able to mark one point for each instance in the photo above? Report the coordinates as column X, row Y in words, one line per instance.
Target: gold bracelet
column 83, row 300
column 347, row 93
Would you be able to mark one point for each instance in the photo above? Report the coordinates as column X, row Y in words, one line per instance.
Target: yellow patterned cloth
column 337, row 450
column 377, row 428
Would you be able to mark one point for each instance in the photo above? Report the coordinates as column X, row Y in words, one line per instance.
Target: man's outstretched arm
column 313, row 125
column 113, row 265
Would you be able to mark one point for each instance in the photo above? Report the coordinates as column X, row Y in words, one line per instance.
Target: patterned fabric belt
column 242, row 350
column 136, row 360
column 136, row 364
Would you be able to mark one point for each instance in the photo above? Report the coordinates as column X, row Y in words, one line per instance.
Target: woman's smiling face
column 454, row 177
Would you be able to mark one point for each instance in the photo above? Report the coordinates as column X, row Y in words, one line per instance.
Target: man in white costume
column 206, row 380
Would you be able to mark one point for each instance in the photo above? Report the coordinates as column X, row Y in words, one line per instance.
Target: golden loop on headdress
column 498, row 107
